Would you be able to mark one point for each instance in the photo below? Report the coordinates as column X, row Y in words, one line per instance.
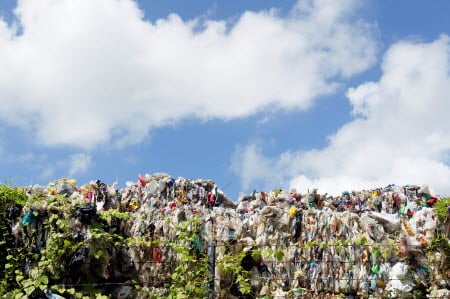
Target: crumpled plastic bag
column 390, row 222
column 399, row 280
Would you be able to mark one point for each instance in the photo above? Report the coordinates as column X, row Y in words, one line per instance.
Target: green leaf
column 278, row 255
column 266, row 253
column 29, row 290
column 43, row 279
column 256, row 254
column 26, row 283
column 98, row 254
column 360, row 241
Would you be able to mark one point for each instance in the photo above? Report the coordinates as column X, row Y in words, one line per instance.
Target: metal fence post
column 211, row 267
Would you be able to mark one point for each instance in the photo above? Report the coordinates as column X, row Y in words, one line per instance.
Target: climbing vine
column 441, row 241
column 40, row 236
column 442, row 207
column 190, row 276
column 11, row 204
column 230, row 264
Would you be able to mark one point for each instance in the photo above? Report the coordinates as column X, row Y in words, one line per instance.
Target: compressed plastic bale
column 154, row 202
column 235, row 228
column 344, row 228
column 255, row 280
column 424, row 221
column 222, row 231
column 245, row 244
column 293, row 211
column 321, row 225
column 253, row 221
column 411, row 204
column 123, row 292
column 264, row 291
column 65, row 188
column 261, row 235
column 399, row 280
column 273, row 238
column 372, row 227
column 255, row 204
column 438, row 293
column 353, row 278
column 390, row 222
column 152, row 187
column 363, row 279
column 243, row 206
column 279, row 294
column 424, row 190
column 270, row 212
column 150, row 273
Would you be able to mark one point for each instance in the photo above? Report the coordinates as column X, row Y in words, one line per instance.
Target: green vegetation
column 190, row 276
column 34, row 254
column 442, row 209
column 11, row 203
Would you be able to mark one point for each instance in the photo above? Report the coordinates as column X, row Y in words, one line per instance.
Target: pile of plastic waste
column 362, row 244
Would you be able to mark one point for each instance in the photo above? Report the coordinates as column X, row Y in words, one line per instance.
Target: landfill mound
column 72, row 241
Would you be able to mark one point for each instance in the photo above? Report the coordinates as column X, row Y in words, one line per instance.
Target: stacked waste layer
column 371, row 243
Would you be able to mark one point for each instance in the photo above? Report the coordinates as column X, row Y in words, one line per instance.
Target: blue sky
column 335, row 95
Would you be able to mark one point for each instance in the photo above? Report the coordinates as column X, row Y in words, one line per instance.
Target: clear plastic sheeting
column 362, row 244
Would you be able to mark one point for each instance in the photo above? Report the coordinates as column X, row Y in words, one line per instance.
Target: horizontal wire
column 262, row 247
column 128, row 282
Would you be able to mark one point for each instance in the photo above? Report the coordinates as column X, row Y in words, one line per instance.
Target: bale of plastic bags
column 366, row 244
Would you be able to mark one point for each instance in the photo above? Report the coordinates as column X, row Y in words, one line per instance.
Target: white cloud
column 88, row 72
column 79, row 163
column 251, row 165
column 400, row 133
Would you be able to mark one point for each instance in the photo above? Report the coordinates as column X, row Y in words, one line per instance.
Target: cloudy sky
column 336, row 95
